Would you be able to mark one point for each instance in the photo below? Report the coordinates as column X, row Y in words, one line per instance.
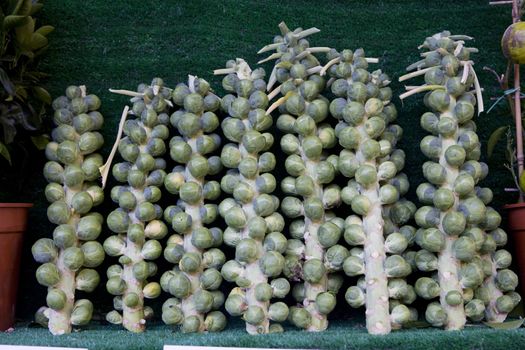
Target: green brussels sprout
column 313, row 270
column 396, row 243
column 506, row 280
column 56, row 299
column 464, row 249
column 431, row 239
column 116, row 285
column 210, row 279
column 329, row 234
column 114, row 245
column 325, row 302
column 44, row 251
column 502, row 258
column 355, row 297
column 171, row 312
column 191, row 324
column 271, row 263
column 275, row 241
column 87, row 280
column 300, row 317
column 235, row 304
column 82, row 312
column 435, row 314
column 427, row 288
column 335, row 257
column 396, row 266
column 471, row 275
column 427, row 217
column 475, row 309
column 361, row 205
column 59, row 213
column 179, row 286
column 431, row 147
column 426, row 261
column 354, row 234
column 93, row 253
column 215, row 321
column 354, row 266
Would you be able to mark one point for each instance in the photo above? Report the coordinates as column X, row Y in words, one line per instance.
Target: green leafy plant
column 22, row 98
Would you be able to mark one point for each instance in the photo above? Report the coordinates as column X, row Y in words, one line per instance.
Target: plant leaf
column 13, row 21
column 6, row 82
column 4, row 152
column 24, row 33
column 40, row 141
column 35, row 8
column 45, row 30
column 25, row 8
column 42, row 94
column 37, row 41
column 505, row 325
column 494, row 138
column 8, row 125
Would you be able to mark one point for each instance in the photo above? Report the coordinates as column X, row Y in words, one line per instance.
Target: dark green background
column 119, row 44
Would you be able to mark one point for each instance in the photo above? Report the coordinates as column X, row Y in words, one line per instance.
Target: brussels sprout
column 506, row 280
column 396, row 266
column 44, row 250
column 431, row 239
column 435, row 314
column 300, row 317
column 87, row 280
column 427, row 288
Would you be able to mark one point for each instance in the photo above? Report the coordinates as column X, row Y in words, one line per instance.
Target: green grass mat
column 341, row 334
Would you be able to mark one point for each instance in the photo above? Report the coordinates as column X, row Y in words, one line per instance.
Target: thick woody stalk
column 194, row 282
column 374, row 191
column 473, row 281
column 137, row 221
column 72, row 170
column 250, row 213
column 303, row 110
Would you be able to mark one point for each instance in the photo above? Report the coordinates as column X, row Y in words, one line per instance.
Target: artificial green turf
column 119, row 44
column 340, row 335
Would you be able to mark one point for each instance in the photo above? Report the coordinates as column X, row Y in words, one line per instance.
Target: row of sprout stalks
column 338, row 217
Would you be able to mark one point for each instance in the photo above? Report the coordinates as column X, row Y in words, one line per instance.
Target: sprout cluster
column 254, row 226
column 69, row 258
column 367, row 132
column 195, row 280
column 459, row 233
column 313, row 252
column 137, row 223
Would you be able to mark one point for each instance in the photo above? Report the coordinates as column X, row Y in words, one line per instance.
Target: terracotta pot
column 516, row 227
column 13, row 222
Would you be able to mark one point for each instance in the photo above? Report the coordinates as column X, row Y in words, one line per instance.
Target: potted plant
column 513, row 47
column 22, row 105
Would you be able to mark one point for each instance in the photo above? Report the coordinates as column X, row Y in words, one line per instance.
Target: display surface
column 340, row 334
column 320, row 41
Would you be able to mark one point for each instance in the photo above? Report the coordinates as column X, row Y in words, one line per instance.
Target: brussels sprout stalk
column 136, row 223
column 368, row 136
column 260, row 243
column 303, row 109
column 72, row 170
column 194, row 282
column 456, row 222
